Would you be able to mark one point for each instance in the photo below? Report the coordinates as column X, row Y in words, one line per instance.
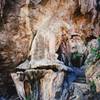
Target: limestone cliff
column 31, row 34
column 23, row 18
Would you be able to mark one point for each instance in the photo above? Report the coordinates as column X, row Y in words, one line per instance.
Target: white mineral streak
column 19, row 85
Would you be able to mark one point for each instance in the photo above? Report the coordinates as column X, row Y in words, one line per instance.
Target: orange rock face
column 25, row 17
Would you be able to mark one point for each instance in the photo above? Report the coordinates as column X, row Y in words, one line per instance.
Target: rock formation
column 32, row 36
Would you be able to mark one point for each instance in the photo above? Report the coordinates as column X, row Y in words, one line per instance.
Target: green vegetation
column 76, row 59
column 28, row 98
column 96, row 51
column 93, row 87
column 77, row 55
column 99, row 42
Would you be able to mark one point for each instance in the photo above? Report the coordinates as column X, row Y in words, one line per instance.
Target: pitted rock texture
column 41, row 84
column 93, row 74
column 26, row 18
column 33, row 29
column 15, row 35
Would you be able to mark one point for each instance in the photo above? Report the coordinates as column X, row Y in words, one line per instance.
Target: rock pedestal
column 41, row 84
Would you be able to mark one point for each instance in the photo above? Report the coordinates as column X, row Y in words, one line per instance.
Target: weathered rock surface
column 93, row 74
column 46, row 84
column 15, row 35
column 46, row 18
column 32, row 29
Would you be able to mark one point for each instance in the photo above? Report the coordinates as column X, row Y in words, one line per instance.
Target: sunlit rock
column 93, row 74
column 49, row 84
column 51, row 15
column 30, row 35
